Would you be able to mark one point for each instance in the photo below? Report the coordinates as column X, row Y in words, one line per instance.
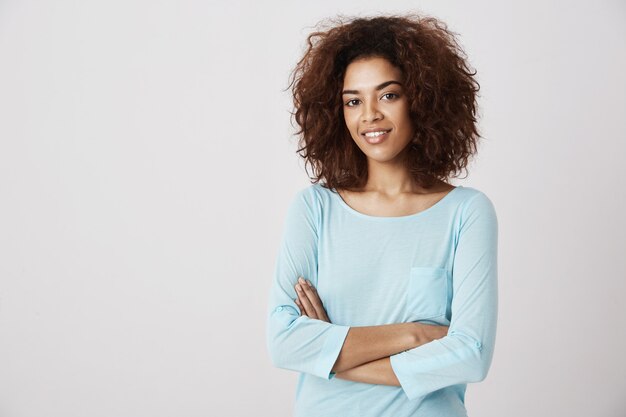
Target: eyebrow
column 378, row 87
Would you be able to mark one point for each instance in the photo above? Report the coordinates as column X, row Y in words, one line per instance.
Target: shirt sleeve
column 295, row 342
column 465, row 354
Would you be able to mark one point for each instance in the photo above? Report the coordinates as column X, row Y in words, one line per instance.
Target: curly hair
column 439, row 84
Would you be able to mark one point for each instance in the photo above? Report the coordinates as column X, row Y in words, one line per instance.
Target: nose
column 371, row 112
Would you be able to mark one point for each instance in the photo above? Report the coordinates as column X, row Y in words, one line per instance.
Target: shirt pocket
column 427, row 293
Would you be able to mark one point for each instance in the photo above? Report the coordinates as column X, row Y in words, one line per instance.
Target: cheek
column 407, row 124
column 350, row 123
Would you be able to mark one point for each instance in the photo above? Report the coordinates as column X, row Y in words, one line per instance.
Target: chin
column 383, row 158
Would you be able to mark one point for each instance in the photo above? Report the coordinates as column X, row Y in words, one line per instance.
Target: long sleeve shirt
column 437, row 266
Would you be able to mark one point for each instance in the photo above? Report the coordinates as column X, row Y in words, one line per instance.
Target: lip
column 377, row 139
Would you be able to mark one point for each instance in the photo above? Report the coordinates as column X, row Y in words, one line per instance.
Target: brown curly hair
column 439, row 85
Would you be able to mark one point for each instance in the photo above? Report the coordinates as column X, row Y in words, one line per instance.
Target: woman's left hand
column 309, row 301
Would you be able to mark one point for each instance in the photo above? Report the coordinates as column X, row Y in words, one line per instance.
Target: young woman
column 385, row 288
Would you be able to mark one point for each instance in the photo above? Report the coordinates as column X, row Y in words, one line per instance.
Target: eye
column 351, row 103
column 393, row 95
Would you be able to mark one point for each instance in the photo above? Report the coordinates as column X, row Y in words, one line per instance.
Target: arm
column 296, row 342
column 368, row 343
column 375, row 372
column 371, row 343
column 465, row 354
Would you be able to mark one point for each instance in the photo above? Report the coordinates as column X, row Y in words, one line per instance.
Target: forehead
column 366, row 73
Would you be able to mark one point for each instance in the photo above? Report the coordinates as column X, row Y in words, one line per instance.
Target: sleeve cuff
column 330, row 351
column 454, row 359
column 398, row 366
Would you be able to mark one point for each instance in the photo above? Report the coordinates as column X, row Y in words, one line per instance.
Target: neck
column 390, row 179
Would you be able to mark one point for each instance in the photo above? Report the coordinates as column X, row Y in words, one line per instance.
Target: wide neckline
column 343, row 203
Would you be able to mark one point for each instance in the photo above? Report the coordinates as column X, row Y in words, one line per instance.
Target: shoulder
column 473, row 198
column 476, row 206
column 310, row 200
column 313, row 195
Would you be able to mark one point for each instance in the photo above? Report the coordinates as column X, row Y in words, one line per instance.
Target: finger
column 323, row 312
column 314, row 299
column 312, row 287
column 304, row 300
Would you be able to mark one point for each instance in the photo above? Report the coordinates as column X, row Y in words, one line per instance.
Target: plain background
column 147, row 161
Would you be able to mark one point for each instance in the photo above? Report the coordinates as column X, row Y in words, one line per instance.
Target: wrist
column 418, row 332
column 424, row 333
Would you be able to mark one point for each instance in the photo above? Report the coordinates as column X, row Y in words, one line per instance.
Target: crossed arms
column 364, row 356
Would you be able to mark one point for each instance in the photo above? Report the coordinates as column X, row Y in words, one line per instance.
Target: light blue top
column 437, row 266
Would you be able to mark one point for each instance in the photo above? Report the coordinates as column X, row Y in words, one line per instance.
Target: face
column 376, row 110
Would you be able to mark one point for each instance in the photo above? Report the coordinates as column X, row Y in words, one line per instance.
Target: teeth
column 374, row 134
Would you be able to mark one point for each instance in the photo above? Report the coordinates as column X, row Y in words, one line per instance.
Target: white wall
column 146, row 163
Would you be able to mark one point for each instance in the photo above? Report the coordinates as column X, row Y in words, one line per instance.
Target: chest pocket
column 427, row 293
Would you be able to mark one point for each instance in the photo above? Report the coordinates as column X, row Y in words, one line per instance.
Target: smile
column 376, row 136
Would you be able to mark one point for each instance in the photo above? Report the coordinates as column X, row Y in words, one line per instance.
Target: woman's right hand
column 309, row 301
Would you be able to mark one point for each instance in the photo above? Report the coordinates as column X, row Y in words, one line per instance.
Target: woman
column 385, row 289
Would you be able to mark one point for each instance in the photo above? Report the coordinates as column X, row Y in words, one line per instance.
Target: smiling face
column 376, row 110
